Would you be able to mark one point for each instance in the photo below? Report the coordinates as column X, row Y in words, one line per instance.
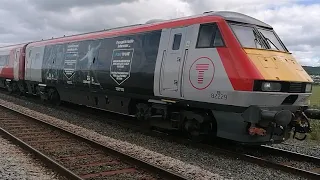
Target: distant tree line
column 314, row 72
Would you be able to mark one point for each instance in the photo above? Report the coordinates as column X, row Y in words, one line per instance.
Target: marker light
column 308, row 88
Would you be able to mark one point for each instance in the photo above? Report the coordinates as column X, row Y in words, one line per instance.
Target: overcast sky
column 296, row 21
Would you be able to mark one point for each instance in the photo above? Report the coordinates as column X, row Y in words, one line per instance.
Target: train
column 219, row 74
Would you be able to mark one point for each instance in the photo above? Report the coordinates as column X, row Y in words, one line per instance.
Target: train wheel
column 199, row 126
column 15, row 88
column 54, row 97
column 143, row 114
column 142, row 111
column 193, row 129
column 9, row 87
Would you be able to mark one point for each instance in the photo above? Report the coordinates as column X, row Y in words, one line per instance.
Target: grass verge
column 315, row 134
column 315, row 97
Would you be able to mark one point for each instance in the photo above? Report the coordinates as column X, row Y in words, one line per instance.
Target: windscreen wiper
column 257, row 39
column 267, row 39
column 262, row 42
column 272, row 43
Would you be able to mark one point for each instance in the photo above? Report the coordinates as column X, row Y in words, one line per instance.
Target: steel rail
column 229, row 150
column 164, row 173
column 291, row 154
column 47, row 160
column 279, row 166
column 246, row 157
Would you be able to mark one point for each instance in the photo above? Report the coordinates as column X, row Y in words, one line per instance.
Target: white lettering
column 120, row 64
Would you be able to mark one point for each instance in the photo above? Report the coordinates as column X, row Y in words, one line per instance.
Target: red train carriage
column 12, row 67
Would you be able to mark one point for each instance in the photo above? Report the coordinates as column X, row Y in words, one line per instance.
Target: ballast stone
column 15, row 164
column 182, row 168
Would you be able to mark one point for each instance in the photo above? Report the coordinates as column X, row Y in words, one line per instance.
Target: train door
column 172, row 60
column 53, row 64
column 34, row 64
column 93, row 65
column 27, row 65
column 16, row 64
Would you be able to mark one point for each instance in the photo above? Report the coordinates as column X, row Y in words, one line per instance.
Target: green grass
column 315, row 103
column 315, row 97
column 315, row 134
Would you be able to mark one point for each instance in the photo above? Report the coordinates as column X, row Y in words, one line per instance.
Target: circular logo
column 201, row 73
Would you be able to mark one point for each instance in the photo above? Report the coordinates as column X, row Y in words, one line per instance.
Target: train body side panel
column 5, row 67
column 11, row 58
column 94, row 70
column 127, row 64
column 205, row 77
column 202, row 75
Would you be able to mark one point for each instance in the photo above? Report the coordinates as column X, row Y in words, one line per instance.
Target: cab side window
column 176, row 42
column 209, row 36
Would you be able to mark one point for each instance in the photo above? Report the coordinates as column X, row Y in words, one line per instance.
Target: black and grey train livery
column 192, row 74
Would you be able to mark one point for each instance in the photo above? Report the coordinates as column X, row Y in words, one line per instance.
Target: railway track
column 265, row 156
column 275, row 158
column 73, row 156
column 291, row 160
column 287, row 161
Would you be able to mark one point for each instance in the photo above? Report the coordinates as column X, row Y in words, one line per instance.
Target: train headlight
column 271, row 86
column 308, row 88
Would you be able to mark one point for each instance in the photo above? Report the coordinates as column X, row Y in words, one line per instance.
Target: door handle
column 178, row 59
column 175, row 82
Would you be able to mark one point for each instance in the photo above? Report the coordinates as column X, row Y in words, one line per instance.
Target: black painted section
column 2, row 82
column 95, row 68
column 291, row 99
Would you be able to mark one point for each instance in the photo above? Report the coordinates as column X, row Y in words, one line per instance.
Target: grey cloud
column 62, row 5
column 9, row 5
column 33, row 22
column 66, row 23
column 312, row 41
column 4, row 30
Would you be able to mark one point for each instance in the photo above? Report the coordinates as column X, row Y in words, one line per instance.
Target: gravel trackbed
column 187, row 170
column 225, row 166
column 16, row 164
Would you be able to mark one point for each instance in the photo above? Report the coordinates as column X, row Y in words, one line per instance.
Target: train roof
column 156, row 25
column 12, row 46
column 238, row 17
